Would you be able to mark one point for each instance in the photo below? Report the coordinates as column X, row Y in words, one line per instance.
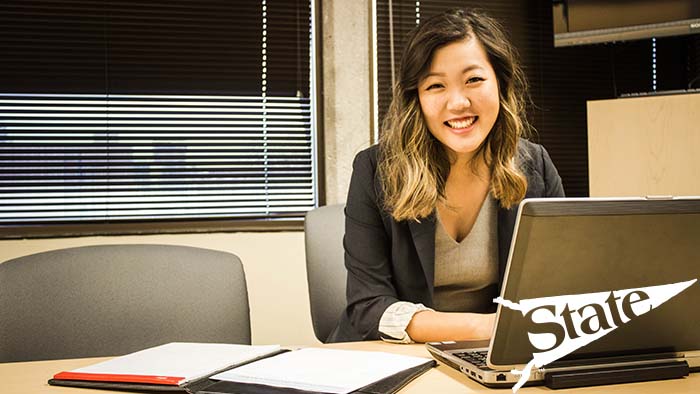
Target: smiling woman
column 459, row 102
column 471, row 52
column 459, row 98
column 429, row 215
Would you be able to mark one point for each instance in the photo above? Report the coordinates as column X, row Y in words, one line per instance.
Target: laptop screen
column 578, row 246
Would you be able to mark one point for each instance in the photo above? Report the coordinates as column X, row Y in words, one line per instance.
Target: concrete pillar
column 347, row 90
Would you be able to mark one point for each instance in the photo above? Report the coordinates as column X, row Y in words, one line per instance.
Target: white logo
column 566, row 323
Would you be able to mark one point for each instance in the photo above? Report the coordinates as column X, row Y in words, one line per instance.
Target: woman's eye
column 474, row 79
column 434, row 86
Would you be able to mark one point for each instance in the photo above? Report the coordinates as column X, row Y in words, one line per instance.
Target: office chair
column 324, row 229
column 112, row 300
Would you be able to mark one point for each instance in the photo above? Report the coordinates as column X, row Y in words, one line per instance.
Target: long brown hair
column 413, row 164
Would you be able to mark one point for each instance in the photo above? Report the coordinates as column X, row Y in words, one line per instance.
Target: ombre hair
column 413, row 164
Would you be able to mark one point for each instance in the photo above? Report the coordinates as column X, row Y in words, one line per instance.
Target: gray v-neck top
column 466, row 272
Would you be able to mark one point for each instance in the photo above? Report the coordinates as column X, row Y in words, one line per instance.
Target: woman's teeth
column 461, row 124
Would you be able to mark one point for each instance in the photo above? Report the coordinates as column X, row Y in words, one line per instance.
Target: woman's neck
column 469, row 169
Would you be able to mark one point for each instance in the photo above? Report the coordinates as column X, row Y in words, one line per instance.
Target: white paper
column 326, row 370
column 188, row 360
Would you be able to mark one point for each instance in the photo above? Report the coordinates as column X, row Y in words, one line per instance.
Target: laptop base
column 616, row 375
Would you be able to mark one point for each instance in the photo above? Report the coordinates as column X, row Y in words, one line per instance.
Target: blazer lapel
column 423, row 234
column 506, row 222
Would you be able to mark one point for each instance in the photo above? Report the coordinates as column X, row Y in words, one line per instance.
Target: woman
column 431, row 209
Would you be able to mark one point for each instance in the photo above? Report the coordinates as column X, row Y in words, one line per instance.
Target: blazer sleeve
column 367, row 246
column 552, row 181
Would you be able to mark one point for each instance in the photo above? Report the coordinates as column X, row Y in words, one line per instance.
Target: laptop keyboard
column 476, row 357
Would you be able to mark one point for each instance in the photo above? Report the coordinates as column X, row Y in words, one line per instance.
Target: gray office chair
column 115, row 299
column 324, row 228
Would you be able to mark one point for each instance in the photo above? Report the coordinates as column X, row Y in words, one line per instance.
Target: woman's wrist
column 429, row 326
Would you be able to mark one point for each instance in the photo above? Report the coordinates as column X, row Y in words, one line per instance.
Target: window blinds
column 141, row 111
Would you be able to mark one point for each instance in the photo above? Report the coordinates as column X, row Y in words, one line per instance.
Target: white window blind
column 138, row 111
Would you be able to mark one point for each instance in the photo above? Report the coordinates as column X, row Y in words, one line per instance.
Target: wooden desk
column 31, row 377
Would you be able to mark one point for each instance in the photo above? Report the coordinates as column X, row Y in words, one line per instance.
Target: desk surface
column 31, row 377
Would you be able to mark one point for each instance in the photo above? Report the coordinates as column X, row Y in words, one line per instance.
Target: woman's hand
column 430, row 326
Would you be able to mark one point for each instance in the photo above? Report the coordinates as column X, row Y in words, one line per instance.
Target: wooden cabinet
column 646, row 145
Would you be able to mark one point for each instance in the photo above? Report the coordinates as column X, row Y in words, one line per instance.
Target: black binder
column 388, row 385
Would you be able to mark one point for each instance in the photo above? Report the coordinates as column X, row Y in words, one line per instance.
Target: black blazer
column 390, row 261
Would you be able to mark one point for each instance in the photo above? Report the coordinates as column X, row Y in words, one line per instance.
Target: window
column 138, row 116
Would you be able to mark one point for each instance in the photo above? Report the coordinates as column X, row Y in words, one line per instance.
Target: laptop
column 567, row 246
